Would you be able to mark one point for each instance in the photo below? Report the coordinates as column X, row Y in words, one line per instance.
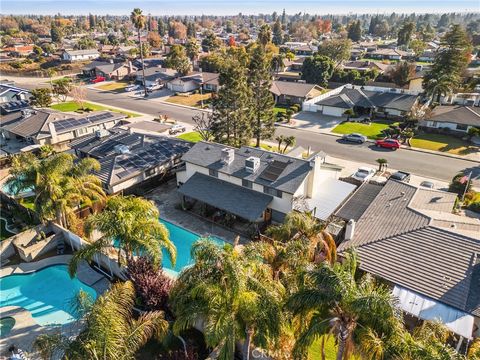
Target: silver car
column 354, row 137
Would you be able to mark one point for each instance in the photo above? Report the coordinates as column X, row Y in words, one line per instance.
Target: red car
column 98, row 79
column 388, row 144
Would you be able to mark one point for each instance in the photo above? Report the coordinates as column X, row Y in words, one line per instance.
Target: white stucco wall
column 333, row 111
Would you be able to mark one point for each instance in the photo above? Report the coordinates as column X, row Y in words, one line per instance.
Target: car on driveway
column 151, row 88
column 401, row 176
column 363, row 174
column 98, row 79
column 354, row 137
column 176, row 129
column 132, row 88
column 427, row 184
column 388, row 143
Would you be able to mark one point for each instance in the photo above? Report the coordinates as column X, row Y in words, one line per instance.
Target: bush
column 457, row 186
column 17, row 64
column 295, row 108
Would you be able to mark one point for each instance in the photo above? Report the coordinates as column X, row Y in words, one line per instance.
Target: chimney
column 53, row 131
column 314, row 176
column 228, row 155
column 350, row 230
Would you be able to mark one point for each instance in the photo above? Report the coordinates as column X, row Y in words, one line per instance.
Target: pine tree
column 162, row 28
column 260, row 81
column 405, row 33
column 355, row 31
column 277, row 33
column 91, row 21
column 191, row 31
column 284, row 17
column 56, row 33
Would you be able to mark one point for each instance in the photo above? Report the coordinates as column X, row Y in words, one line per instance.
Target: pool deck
column 26, row 330
column 166, row 198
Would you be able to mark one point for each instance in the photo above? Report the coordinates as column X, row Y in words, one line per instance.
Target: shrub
column 295, row 108
column 459, row 183
column 17, row 64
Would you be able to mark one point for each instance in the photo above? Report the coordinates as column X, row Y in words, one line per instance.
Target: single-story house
column 427, row 56
column 289, row 93
column 128, row 159
column 10, row 92
column 80, row 55
column 400, row 233
column 193, row 81
column 260, row 186
column 156, row 75
column 389, row 54
column 210, row 81
column 108, row 69
column 305, row 50
column 366, row 102
column 18, row 50
column 457, row 118
column 366, row 65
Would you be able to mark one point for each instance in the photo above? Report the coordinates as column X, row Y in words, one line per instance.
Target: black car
column 401, row 176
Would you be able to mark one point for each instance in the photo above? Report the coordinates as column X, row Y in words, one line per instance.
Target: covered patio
column 232, row 206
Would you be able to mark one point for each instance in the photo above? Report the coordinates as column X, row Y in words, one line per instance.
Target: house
column 259, row 186
column 288, row 93
column 365, row 65
column 210, row 81
column 305, row 50
column 128, row 159
column 455, row 118
column 193, row 81
column 10, row 92
column 400, row 233
column 156, row 75
column 80, row 55
column 45, row 126
column 389, row 54
column 365, row 100
column 18, row 50
column 108, row 69
column 427, row 56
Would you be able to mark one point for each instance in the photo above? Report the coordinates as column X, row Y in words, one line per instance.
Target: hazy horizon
column 218, row 7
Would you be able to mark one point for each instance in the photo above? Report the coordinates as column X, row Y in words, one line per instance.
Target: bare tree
column 203, row 125
column 79, row 95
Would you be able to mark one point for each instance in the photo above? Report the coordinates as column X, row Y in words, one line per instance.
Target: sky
column 232, row 7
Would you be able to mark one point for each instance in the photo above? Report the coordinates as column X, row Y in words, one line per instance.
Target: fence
column 38, row 73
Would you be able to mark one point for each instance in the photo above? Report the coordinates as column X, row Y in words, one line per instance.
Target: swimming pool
column 183, row 241
column 46, row 294
column 11, row 191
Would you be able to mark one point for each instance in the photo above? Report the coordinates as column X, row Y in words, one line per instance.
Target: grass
column 115, row 86
column 279, row 109
column 193, row 136
column 73, row 106
column 314, row 353
column 443, row 143
column 194, row 100
column 28, row 202
column 372, row 130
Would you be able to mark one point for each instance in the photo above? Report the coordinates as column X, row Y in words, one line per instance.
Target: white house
column 457, row 118
column 79, row 55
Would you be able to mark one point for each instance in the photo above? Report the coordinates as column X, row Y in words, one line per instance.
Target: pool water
column 46, row 294
column 11, row 191
column 6, row 325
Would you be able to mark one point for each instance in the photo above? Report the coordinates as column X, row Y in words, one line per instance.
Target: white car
column 132, row 88
column 151, row 88
column 363, row 174
column 175, row 129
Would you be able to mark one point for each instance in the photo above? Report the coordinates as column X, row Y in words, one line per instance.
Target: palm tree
column 334, row 303
column 133, row 223
column 111, row 331
column 139, row 21
column 382, row 163
column 49, row 344
column 289, row 141
column 441, row 85
column 233, row 296
column 280, row 139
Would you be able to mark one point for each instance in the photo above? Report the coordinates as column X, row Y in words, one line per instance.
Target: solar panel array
column 273, row 170
column 14, row 105
column 71, row 123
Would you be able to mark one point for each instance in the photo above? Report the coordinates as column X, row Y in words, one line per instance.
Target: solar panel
column 273, row 170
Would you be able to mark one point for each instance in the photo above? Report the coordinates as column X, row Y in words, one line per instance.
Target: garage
column 333, row 111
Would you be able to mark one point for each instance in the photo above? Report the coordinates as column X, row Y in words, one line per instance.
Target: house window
column 247, row 183
column 462, row 127
column 213, row 172
column 272, row 191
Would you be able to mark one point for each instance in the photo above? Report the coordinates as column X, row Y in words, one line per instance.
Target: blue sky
column 219, row 7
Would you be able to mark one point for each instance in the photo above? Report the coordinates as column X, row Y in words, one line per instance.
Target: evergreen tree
column 355, row 31
column 260, row 81
column 374, row 21
column 191, row 31
column 284, row 18
column 56, row 33
column 264, row 35
column 177, row 59
column 277, row 33
column 317, row 70
column 405, row 33
column 162, row 28
column 91, row 21
column 192, row 48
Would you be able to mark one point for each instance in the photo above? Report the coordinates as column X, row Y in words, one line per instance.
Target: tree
column 402, row 72
column 235, row 297
column 289, row 142
column 317, row 70
column 210, row 42
column 61, row 88
column 264, row 35
column 91, row 21
column 112, row 331
column 337, row 49
column 162, row 28
column 405, row 33
column 203, row 125
column 439, row 86
column 417, row 46
column 79, row 96
column 259, row 79
column 277, row 38
column 48, row 344
column 355, row 31
column 381, row 29
column 154, row 40
column 56, row 33
column 191, row 30
column 177, row 59
column 179, row 30
column 192, row 48
column 85, row 42
column 382, row 163
column 335, row 303
column 138, row 20
column 41, row 97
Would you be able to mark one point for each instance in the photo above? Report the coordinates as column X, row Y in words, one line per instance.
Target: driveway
column 317, row 122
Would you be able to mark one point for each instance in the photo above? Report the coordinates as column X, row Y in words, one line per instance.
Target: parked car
column 401, row 176
column 132, row 88
column 363, row 174
column 354, row 137
column 427, row 184
column 388, row 143
column 151, row 88
column 98, row 79
column 175, row 129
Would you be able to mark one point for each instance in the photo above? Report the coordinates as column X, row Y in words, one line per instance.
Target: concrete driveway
column 317, row 122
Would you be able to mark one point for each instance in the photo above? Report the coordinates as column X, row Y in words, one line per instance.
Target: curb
column 452, row 156
column 183, row 106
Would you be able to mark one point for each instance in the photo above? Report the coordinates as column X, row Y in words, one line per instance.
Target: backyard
column 73, row 106
column 372, row 130
column 443, row 143
column 194, row 100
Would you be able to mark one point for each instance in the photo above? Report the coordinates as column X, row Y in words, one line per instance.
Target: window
column 213, row 172
column 247, row 183
column 462, row 127
column 272, row 191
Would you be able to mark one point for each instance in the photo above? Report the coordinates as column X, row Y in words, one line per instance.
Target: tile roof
column 209, row 155
column 359, row 202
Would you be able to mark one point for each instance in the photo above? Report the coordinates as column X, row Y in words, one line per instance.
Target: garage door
column 333, row 111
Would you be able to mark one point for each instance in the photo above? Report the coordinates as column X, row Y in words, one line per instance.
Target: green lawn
column 279, row 109
column 28, row 202
column 372, row 130
column 72, row 106
column 314, row 353
column 443, row 143
column 193, row 136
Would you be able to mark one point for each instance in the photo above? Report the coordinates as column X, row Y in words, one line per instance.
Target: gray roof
column 348, row 98
column 359, row 202
column 400, row 244
column 9, row 92
column 104, row 66
column 82, row 52
column 238, row 200
column 291, row 88
column 208, row 155
column 458, row 114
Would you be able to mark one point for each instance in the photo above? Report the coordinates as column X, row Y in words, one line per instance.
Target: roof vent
column 228, row 155
column 101, row 133
column 27, row 112
column 453, row 226
column 121, row 149
column 252, row 164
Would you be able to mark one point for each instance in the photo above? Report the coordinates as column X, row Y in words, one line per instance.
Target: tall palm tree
column 111, row 331
column 133, row 223
column 139, row 21
column 335, row 303
column 441, row 85
column 233, row 296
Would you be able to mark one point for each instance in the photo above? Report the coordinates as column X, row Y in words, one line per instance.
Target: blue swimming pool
column 11, row 191
column 46, row 294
